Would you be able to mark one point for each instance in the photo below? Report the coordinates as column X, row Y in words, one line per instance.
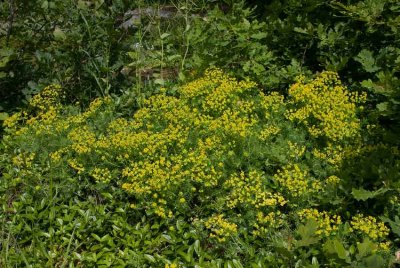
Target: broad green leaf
column 237, row 263
column 300, row 30
column 81, row 5
column 165, row 35
column 150, row 258
column 3, row 116
column 366, row 58
column 335, row 247
column 197, row 248
column 95, row 236
column 362, row 194
column 246, row 24
column 374, row 261
column 45, row 5
column 159, row 81
column 307, row 233
column 383, row 106
column 340, row 250
column 364, row 249
column 259, row 35
column 59, row 35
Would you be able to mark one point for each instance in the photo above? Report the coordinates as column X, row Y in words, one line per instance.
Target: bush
column 215, row 173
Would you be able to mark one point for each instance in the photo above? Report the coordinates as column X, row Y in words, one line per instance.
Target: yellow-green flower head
column 327, row 224
column 325, row 107
column 369, row 226
column 220, row 228
column 49, row 96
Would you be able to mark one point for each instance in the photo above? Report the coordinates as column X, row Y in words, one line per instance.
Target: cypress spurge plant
column 218, row 161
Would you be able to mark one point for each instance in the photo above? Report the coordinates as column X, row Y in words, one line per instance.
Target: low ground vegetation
column 215, row 173
column 199, row 133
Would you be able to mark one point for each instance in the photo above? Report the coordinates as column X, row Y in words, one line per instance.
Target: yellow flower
column 220, row 228
column 327, row 224
column 325, row 107
column 370, row 226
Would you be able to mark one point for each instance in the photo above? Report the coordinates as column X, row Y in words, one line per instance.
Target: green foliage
column 73, row 43
column 123, row 166
column 358, row 39
column 213, row 174
column 197, row 37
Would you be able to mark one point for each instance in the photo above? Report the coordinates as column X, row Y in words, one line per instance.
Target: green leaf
column 82, row 5
column 181, row 76
column 246, row 24
column 228, row 264
column 373, row 262
column 366, row 58
column 45, row 5
column 6, row 55
column 77, row 255
column 150, row 258
column 3, row 116
column 95, row 236
column 307, row 233
column 362, row 194
column 159, row 81
column 237, row 263
column 340, row 250
column 197, row 248
column 364, row 249
column 59, row 35
column 394, row 225
column 383, row 106
column 259, row 35
column 300, row 30
column 335, row 247
column 165, row 35
column 167, row 238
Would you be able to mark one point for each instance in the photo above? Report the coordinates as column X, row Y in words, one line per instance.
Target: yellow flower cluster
column 332, row 180
column 272, row 104
column 268, row 132
column 232, row 123
column 198, row 147
column 370, row 226
column 172, row 265
column 46, row 105
column 266, row 222
column 73, row 163
column 57, row 155
column 217, row 92
column 101, row 174
column 82, row 139
column 12, row 121
column 334, row 154
column 43, row 117
column 327, row 224
column 296, row 181
column 296, row 150
column 220, row 228
column 48, row 97
column 23, row 160
column 325, row 107
column 250, row 190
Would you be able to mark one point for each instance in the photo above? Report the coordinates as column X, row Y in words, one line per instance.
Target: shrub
column 239, row 170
